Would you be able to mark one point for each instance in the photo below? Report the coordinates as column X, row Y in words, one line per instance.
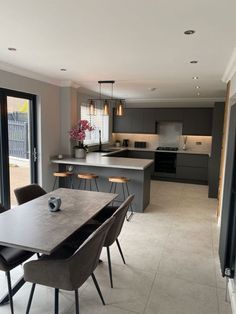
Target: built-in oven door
column 165, row 162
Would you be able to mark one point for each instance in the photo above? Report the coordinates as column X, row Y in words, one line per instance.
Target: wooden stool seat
column 90, row 178
column 87, row 176
column 62, row 174
column 118, row 179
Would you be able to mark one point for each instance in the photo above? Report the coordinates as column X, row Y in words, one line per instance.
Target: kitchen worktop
column 106, row 160
column 154, row 150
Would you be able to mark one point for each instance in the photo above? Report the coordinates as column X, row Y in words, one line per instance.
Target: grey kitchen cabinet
column 197, row 121
column 135, row 120
column 193, row 167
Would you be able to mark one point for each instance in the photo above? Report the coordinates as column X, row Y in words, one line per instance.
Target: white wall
column 48, row 119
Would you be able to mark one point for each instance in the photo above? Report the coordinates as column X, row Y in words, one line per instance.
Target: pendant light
column 92, row 108
column 107, row 103
column 119, row 109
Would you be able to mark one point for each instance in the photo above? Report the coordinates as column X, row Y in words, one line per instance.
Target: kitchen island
column 137, row 170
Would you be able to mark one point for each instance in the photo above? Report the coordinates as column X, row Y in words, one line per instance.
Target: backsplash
column 153, row 141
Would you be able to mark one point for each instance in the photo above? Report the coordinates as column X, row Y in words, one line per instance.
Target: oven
column 165, row 162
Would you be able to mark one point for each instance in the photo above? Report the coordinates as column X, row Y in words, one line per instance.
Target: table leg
column 14, row 290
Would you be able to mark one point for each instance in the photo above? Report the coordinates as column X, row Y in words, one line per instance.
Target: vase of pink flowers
column 78, row 135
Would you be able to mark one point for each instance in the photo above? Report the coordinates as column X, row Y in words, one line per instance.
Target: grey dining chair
column 67, row 270
column 9, row 259
column 119, row 214
column 28, row 193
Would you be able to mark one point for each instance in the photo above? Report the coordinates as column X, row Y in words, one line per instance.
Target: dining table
column 33, row 227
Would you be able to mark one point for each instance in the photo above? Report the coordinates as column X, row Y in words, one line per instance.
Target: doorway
column 18, row 147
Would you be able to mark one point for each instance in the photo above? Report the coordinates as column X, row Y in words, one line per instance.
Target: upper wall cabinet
column 135, row 120
column 197, row 121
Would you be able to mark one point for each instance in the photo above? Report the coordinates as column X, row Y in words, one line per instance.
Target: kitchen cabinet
column 197, row 121
column 141, row 154
column 193, row 167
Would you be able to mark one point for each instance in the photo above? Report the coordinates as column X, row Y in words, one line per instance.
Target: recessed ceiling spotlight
column 195, row 77
column 63, row 70
column 11, row 49
column 194, row 61
column 152, row 89
column 198, row 94
column 189, row 32
column 197, row 87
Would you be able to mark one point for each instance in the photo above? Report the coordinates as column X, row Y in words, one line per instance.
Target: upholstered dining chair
column 67, row 270
column 9, row 259
column 119, row 214
column 28, row 193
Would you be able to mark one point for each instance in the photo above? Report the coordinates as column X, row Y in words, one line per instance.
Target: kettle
column 125, row 143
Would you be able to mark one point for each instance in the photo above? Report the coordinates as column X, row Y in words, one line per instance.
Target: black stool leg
column 90, row 185
column 111, row 187
column 79, row 184
column 98, row 288
column 123, row 191
column 109, row 265
column 30, row 298
column 71, row 182
column 10, row 291
column 76, row 301
column 131, row 208
column 96, row 184
column 121, row 253
column 85, row 184
column 56, row 308
column 55, row 181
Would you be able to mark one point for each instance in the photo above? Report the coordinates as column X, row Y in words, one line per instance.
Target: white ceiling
column 137, row 43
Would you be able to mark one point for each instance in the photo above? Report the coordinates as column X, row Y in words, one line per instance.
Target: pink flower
column 78, row 132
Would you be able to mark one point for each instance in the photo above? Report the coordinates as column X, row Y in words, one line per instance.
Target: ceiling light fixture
column 198, row 94
column 197, row 87
column 106, row 103
column 195, row 77
column 189, row 32
column 152, row 89
column 63, row 70
column 194, row 61
column 11, row 49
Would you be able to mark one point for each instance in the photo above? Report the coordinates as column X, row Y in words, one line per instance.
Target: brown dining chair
column 28, row 193
column 9, row 259
column 67, row 270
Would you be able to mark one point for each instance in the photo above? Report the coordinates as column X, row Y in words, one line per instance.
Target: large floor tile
column 176, row 296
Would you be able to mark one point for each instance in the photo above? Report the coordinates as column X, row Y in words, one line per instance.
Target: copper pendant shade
column 106, row 104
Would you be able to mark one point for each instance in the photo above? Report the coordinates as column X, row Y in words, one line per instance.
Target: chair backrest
column 86, row 258
column 28, row 193
column 2, row 209
column 119, row 216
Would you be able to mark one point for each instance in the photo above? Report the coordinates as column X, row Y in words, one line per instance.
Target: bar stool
column 63, row 174
column 88, row 177
column 124, row 183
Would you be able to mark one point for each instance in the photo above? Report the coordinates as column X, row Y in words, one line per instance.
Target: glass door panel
column 18, row 144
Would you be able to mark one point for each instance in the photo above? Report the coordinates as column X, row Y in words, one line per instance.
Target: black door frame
column 4, row 147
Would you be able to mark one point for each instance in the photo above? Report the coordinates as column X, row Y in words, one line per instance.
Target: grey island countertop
column 99, row 160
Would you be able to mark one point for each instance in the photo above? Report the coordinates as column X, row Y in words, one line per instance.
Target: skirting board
column 232, row 295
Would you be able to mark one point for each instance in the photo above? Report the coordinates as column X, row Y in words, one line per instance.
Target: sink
column 105, row 150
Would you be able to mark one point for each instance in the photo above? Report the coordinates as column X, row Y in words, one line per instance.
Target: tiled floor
column 172, row 264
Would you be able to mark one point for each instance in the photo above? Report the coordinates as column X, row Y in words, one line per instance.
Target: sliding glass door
column 18, row 147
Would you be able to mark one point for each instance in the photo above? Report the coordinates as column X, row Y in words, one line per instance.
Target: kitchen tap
column 100, row 140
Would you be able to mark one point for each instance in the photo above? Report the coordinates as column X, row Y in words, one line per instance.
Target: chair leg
column 109, row 266
column 131, row 208
column 56, row 308
column 98, row 288
column 55, row 181
column 96, row 184
column 90, row 185
column 76, row 301
column 30, row 298
column 10, row 291
column 121, row 253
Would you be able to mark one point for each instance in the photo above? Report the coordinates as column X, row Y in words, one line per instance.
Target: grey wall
column 48, row 119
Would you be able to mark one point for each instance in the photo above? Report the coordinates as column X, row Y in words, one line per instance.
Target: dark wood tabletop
column 33, row 227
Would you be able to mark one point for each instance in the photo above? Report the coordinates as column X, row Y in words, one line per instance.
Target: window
column 99, row 122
